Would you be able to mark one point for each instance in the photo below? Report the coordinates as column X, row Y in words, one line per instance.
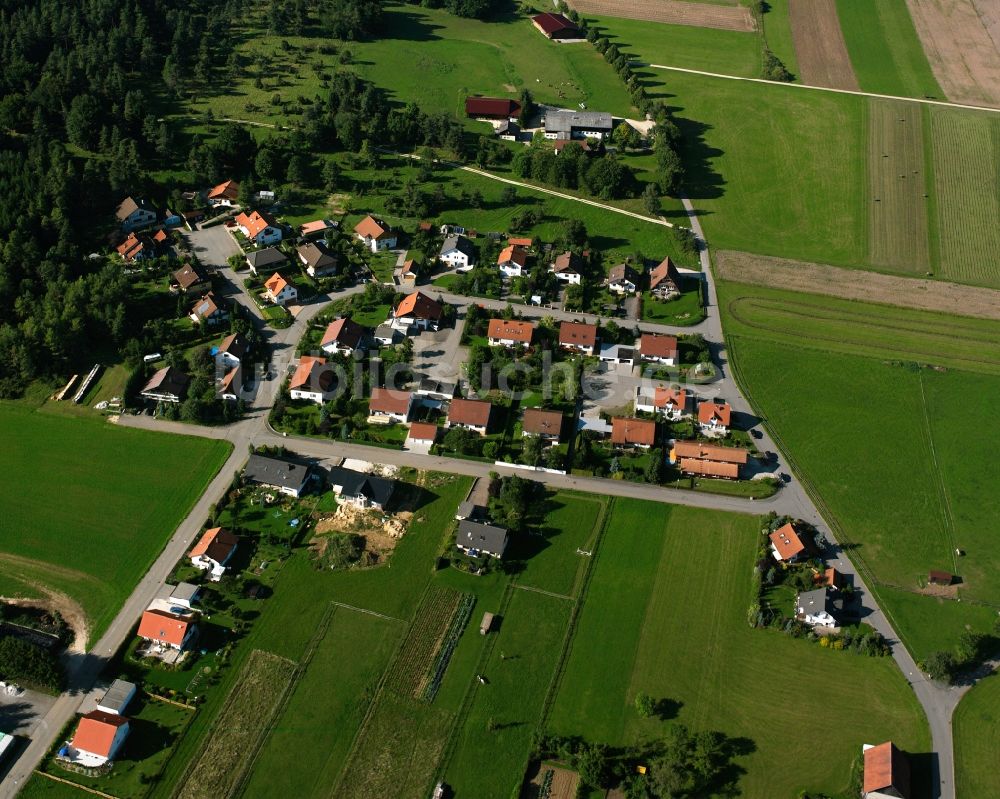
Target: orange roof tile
column 96, row 732
column 470, row 412
column 275, row 284
column 217, row 543
column 158, row 625
column 419, row 306
column 633, row 431
column 386, row 400
column 513, row 330
column 656, row 346
column 886, row 767
column 720, row 412
column 578, row 333
column 255, row 224
column 787, row 542
column 229, row 190
column 371, row 228
column 423, row 431
column 710, row 452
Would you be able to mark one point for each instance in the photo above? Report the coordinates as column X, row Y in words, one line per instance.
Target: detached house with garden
column 259, row 227
column 376, row 235
column 213, row 552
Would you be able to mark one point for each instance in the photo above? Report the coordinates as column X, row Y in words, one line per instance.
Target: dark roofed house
column 665, row 280
column 232, row 349
column 190, row 278
column 268, row 259
column 492, row 108
column 318, row 259
column 545, row 424
column 560, row 124
column 556, row 26
column 816, row 608
column 568, row 268
column 938, row 577
column 167, row 385
column 477, row 538
column 887, row 773
column 277, row 473
column 116, row 699
column 623, row 279
column 361, row 489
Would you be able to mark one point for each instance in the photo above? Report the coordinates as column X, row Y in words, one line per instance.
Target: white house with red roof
column 99, row 737
column 280, row 291
column 387, row 405
column 669, row 402
column 375, row 233
column 224, row 194
column 512, row 261
column 343, row 336
column 656, row 348
column 165, row 629
column 259, row 227
column 313, row 380
column 213, row 551
column 714, row 418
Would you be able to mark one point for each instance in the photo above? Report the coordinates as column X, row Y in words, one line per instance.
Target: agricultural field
column 819, row 45
column 671, row 624
column 897, row 185
column 731, row 16
column 731, row 52
column 504, row 712
column 318, row 723
column 833, row 281
column 885, row 52
column 966, row 156
column 121, row 494
column 960, row 40
column 922, row 479
column 976, row 726
column 240, row 728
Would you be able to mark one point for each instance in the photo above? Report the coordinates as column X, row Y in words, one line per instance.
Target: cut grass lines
column 885, row 51
column 859, row 328
column 897, row 208
column 977, row 740
column 329, row 701
column 966, row 148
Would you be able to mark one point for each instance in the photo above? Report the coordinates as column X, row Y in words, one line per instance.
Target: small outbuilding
column 938, row 577
column 486, row 624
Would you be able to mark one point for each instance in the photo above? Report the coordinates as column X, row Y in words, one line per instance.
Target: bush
column 31, row 666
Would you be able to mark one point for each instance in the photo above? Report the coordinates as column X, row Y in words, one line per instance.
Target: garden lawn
column 553, row 563
column 324, row 712
column 88, row 506
column 668, row 619
column 708, row 49
column 530, row 638
column 976, row 725
column 154, row 726
column 885, row 50
column 787, row 181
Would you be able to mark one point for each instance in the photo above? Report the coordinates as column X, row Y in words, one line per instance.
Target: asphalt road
column 938, row 702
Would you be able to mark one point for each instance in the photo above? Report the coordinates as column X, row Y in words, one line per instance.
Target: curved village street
column 792, row 499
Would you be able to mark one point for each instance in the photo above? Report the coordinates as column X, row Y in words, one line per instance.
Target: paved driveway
column 19, row 715
column 213, row 245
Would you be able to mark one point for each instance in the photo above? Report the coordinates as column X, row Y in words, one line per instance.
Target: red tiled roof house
column 213, row 551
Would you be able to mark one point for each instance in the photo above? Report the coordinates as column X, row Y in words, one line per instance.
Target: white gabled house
column 213, row 552
column 458, row 253
column 375, row 234
column 259, row 228
column 280, row 291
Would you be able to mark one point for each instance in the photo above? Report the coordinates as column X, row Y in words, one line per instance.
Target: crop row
column 410, row 667
column 459, row 619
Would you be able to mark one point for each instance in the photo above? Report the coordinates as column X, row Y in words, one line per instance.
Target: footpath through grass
column 666, row 610
column 88, row 506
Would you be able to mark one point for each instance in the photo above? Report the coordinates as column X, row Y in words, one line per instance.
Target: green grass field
column 885, row 445
column 966, row 157
column 885, row 50
column 671, row 623
column 897, row 220
column 976, row 726
column 426, row 56
column 708, row 49
column 788, row 181
column 88, row 506
column 530, row 640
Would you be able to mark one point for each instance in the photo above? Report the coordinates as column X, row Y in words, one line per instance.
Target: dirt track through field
column 850, row 284
column 673, row 12
column 962, row 41
column 897, row 206
column 819, row 45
